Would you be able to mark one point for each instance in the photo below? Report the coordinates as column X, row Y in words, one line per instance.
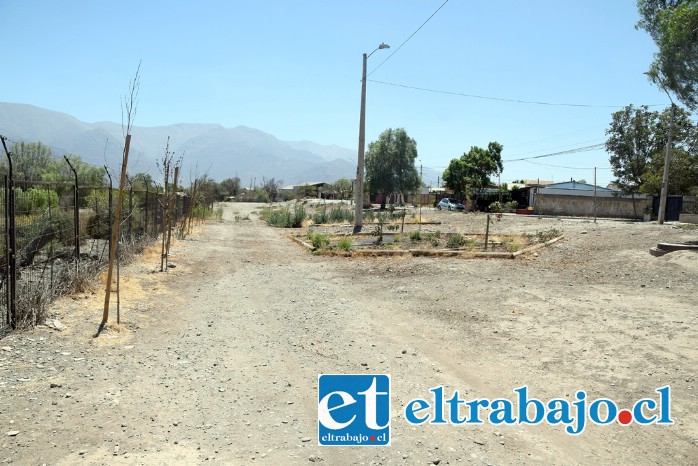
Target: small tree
column 342, row 187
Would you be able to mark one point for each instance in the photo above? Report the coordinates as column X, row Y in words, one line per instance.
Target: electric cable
column 415, row 32
column 501, row 99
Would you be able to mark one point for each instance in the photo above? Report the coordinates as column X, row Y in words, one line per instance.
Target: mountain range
column 210, row 149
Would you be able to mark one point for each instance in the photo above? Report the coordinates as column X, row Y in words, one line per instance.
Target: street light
column 359, row 185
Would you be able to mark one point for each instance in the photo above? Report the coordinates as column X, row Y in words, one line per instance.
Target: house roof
column 537, row 182
column 575, row 185
column 315, row 184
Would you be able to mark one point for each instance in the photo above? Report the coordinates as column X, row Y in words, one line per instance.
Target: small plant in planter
column 345, row 244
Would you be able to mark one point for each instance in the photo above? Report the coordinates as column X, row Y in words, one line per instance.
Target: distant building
column 309, row 189
column 584, row 199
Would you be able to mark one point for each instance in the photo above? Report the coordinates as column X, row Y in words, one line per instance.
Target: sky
column 292, row 68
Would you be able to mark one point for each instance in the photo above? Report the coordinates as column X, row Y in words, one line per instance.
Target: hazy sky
column 293, row 68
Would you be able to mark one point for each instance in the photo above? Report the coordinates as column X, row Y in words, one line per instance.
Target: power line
column 501, row 99
column 415, row 32
column 564, row 152
column 569, row 168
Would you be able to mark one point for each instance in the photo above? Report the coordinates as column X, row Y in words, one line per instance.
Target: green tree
column 673, row 25
column 231, row 186
column 88, row 175
column 473, row 169
column 631, row 143
column 272, row 187
column 342, row 187
column 208, row 190
column 637, row 141
column 455, row 177
column 31, row 160
column 390, row 164
column 140, row 181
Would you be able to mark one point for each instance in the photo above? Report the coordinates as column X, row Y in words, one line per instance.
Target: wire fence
column 56, row 237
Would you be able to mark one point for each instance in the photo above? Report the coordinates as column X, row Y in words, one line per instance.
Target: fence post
column 173, row 207
column 130, row 212
column 165, row 211
column 12, row 258
column 7, row 248
column 191, row 207
column 145, row 222
column 487, row 232
column 77, row 214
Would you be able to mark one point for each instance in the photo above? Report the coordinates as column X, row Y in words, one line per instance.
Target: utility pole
column 665, row 176
column 499, row 182
column 595, row 195
column 359, row 186
column 420, row 197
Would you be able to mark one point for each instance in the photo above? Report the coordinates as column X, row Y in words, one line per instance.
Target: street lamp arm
column 380, row 47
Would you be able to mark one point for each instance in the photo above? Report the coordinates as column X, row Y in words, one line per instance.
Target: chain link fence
column 56, row 238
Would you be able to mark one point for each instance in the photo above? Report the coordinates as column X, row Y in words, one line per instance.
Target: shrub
column 318, row 240
column 543, row 236
column 496, row 207
column 284, row 217
column 511, row 244
column 455, row 241
column 433, row 238
column 345, row 244
column 339, row 214
column 34, row 200
column 415, row 236
column 320, row 216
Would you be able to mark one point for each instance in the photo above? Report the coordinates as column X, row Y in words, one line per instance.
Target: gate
column 674, row 205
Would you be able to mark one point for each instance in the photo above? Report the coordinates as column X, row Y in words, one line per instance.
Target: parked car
column 449, row 203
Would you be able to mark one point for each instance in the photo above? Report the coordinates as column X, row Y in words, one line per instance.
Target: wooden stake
column 172, row 208
column 115, row 234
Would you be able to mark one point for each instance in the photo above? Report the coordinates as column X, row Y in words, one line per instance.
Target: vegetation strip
column 426, row 252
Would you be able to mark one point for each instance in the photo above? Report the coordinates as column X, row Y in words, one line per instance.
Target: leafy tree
column 473, row 169
column 35, row 161
column 631, row 143
column 673, row 25
column 231, row 186
column 390, row 164
column 683, row 174
column 88, row 175
column 342, row 187
column 140, row 181
column 271, row 187
column 455, row 177
column 30, row 160
column 637, row 141
column 208, row 190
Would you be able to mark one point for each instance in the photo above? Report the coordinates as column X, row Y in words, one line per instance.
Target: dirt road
column 217, row 361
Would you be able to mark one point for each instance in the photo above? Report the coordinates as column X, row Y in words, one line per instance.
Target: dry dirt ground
column 217, row 360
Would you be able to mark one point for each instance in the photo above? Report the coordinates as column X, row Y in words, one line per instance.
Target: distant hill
column 208, row 148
